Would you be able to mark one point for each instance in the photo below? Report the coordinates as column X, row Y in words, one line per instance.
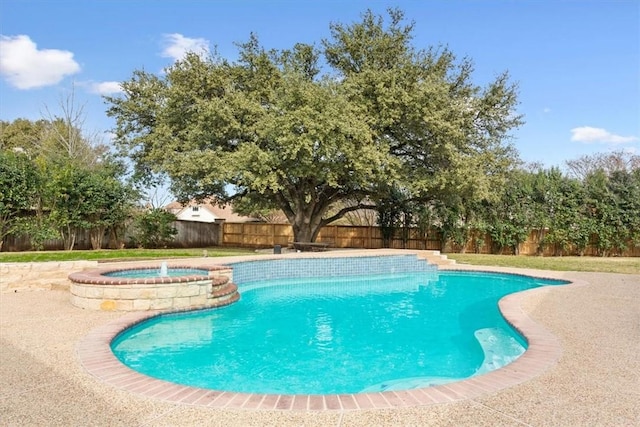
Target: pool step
column 223, row 292
column 500, row 348
column 435, row 258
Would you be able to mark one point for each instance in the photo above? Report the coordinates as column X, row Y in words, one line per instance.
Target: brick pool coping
column 544, row 350
column 97, row 276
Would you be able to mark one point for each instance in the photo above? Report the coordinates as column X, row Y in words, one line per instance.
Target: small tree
column 453, row 225
column 390, row 212
column 154, row 229
column 65, row 138
column 68, row 192
column 511, row 215
column 109, row 202
column 38, row 228
column 19, row 186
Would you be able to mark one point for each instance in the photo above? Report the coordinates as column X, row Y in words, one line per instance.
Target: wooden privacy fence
column 336, row 236
column 264, row 235
column 256, row 235
column 532, row 246
column 193, row 234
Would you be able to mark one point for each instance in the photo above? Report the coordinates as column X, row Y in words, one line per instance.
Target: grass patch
column 119, row 254
column 568, row 263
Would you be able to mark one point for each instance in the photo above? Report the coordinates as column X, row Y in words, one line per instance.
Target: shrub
column 153, row 229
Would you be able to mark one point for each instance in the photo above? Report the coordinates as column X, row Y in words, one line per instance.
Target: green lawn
column 568, row 263
column 119, row 254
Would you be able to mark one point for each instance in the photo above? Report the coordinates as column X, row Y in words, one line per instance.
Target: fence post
column 273, row 234
column 221, row 227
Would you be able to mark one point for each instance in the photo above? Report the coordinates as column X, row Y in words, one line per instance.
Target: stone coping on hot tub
column 97, row 276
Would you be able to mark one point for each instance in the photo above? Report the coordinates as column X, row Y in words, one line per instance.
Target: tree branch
column 342, row 212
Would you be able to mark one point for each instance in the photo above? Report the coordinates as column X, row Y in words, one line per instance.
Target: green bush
column 153, row 229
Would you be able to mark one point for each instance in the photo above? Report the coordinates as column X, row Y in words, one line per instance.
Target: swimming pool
column 341, row 325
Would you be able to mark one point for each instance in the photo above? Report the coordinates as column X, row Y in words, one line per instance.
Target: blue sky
column 577, row 62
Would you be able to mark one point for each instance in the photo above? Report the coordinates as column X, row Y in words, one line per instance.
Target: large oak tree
column 319, row 132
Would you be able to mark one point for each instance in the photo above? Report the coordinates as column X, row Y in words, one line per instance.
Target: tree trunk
column 69, row 238
column 306, row 231
column 540, row 249
column 96, row 235
column 307, row 214
column 305, row 217
column 115, row 242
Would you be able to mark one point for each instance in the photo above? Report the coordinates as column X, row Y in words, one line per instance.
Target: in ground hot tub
column 153, row 288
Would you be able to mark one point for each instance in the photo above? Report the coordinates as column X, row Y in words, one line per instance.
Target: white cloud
column 26, row 67
column 546, row 110
column 105, row 88
column 176, row 46
column 589, row 135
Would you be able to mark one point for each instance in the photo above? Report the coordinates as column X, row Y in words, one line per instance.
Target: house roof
column 224, row 212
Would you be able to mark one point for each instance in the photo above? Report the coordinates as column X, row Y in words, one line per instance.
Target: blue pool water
column 346, row 333
column 142, row 273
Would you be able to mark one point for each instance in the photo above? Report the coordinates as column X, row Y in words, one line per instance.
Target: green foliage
column 558, row 201
column 95, row 200
column 38, row 228
column 22, row 135
column 273, row 127
column 613, row 208
column 19, row 185
column 601, row 209
column 454, row 227
column 571, row 215
column 511, row 215
column 257, row 207
column 60, row 184
column 627, row 186
column 448, row 133
column 461, row 220
column 391, row 210
column 66, row 197
column 154, row 229
column 108, row 205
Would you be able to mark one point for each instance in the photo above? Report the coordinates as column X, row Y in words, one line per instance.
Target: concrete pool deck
column 595, row 381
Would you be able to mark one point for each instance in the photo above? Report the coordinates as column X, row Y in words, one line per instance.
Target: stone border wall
column 158, row 296
column 29, row 276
